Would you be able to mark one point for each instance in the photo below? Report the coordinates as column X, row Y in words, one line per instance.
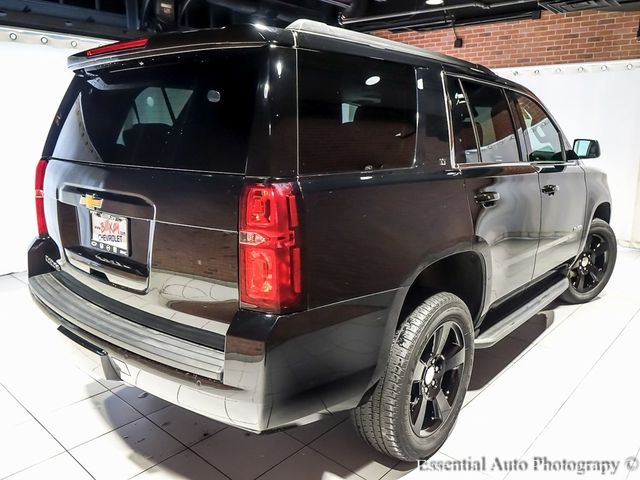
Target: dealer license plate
column 110, row 233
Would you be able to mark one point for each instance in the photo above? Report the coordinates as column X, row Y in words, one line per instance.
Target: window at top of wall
column 355, row 114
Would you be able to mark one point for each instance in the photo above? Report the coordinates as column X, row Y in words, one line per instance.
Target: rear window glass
column 193, row 115
column 355, row 113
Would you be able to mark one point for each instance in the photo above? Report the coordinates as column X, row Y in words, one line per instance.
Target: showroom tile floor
column 563, row 386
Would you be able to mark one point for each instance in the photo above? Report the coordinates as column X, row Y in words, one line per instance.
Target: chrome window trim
column 473, row 123
column 447, row 105
column 475, row 166
column 505, row 87
column 513, row 124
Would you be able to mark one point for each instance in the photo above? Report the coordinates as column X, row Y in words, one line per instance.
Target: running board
column 514, row 320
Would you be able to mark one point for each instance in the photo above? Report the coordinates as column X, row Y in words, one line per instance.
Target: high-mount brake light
column 116, row 47
column 39, row 194
column 270, row 260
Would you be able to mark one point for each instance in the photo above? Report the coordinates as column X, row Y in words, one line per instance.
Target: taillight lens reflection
column 270, row 260
column 42, row 222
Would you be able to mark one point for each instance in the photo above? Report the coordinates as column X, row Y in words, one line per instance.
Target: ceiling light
column 372, row 80
column 434, row 2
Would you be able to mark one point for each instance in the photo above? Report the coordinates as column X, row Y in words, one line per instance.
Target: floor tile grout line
column 204, row 439
column 50, row 434
column 336, row 461
column 187, row 447
column 153, row 466
column 157, row 426
column 546, row 425
column 307, row 445
column 75, row 402
column 316, row 438
column 511, row 364
column 295, row 452
column 175, row 455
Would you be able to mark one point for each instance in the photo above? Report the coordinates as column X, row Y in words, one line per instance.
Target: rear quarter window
column 194, row 115
column 355, row 114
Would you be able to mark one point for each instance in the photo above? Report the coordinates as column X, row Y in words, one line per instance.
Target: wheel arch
column 462, row 273
column 603, row 212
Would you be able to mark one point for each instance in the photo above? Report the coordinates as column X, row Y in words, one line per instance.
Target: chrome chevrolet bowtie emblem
column 92, row 202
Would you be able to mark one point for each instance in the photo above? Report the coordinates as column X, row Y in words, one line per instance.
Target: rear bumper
column 105, row 359
column 273, row 371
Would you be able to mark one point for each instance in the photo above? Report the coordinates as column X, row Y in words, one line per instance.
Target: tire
column 594, row 266
column 390, row 419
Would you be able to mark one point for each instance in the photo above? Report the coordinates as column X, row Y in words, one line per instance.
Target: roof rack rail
column 319, row 28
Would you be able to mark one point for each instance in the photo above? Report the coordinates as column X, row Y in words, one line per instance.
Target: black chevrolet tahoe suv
column 268, row 226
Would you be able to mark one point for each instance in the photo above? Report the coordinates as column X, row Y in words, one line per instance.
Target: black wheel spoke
column 595, row 273
column 418, row 373
column 580, row 285
column 435, row 381
column 442, row 406
column 422, row 410
column 600, row 248
column 454, row 360
column 440, row 338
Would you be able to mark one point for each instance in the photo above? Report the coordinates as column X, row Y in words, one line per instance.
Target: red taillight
column 270, row 266
column 42, row 222
column 114, row 47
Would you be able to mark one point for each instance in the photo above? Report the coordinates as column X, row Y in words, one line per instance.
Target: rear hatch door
column 146, row 165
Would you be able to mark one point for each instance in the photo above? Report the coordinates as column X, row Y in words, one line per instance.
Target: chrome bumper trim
column 138, row 339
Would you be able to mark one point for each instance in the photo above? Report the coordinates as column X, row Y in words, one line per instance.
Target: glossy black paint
column 368, row 237
column 507, row 230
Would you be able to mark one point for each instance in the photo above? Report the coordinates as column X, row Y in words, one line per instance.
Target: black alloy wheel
column 436, row 379
column 592, row 263
column 415, row 404
column 593, row 268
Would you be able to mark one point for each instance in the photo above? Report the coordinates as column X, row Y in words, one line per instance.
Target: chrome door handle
column 550, row 189
column 487, row 199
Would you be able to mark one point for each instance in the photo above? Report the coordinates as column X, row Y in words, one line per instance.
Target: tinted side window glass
column 493, row 122
column 463, row 134
column 541, row 135
column 355, row 113
column 433, row 134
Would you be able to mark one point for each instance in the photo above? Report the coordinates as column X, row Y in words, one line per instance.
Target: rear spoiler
column 237, row 36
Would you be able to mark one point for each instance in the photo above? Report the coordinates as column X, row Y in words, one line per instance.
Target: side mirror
column 584, row 148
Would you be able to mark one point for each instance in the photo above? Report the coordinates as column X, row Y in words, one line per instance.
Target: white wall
column 600, row 101
column 33, row 79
